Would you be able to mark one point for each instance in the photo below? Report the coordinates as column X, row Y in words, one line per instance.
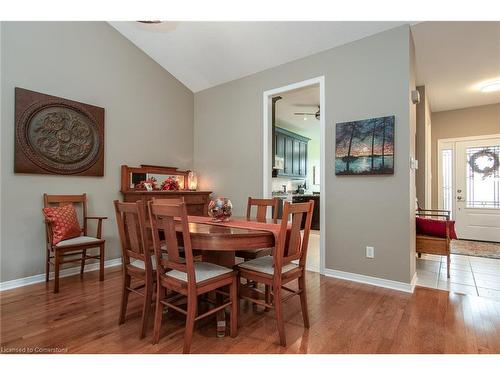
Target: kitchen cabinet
column 315, row 217
column 292, row 148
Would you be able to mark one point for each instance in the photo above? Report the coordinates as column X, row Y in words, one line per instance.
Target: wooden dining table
column 218, row 243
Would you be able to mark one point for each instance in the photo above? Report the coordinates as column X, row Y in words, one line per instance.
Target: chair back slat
column 131, row 222
column 51, row 200
column 165, row 218
column 168, row 200
column 262, row 206
column 292, row 244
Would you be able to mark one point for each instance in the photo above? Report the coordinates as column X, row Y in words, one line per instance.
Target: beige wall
column 467, row 122
column 148, row 119
column 422, row 144
column 367, row 78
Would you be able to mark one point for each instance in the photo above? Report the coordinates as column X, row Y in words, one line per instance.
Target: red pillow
column 64, row 222
column 435, row 228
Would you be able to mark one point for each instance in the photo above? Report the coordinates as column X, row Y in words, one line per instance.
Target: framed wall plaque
column 58, row 136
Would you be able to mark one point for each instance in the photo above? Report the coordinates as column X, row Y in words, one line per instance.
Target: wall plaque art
column 58, row 136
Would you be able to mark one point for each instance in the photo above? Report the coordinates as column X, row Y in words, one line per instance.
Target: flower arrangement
column 149, row 184
column 220, row 209
column 170, row 184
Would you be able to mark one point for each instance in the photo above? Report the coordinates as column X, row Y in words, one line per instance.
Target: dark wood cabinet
column 315, row 217
column 196, row 201
column 292, row 148
column 303, row 159
column 288, row 157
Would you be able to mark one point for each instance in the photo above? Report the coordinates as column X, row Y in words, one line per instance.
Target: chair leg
column 267, row 295
column 238, row 291
column 233, row 291
column 279, row 315
column 82, row 265
column 303, row 300
column 125, row 293
column 146, row 308
column 448, row 265
column 56, row 272
column 47, row 266
column 101, row 262
column 190, row 317
column 160, row 293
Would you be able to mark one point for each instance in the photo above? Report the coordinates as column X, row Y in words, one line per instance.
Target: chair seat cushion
column 203, row 271
column 64, row 222
column 256, row 253
column 82, row 240
column 265, row 265
column 435, row 227
column 140, row 264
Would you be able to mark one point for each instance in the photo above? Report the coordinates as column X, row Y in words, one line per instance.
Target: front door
column 477, row 195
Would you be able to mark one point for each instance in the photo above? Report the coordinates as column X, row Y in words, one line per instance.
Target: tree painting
column 365, row 147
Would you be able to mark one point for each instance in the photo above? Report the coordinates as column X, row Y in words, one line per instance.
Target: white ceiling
column 453, row 58
column 305, row 99
column 206, row 54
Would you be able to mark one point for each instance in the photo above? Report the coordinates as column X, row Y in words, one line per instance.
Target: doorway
column 304, row 176
column 469, row 185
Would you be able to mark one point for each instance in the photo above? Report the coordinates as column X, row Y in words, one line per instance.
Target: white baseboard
column 383, row 283
column 11, row 284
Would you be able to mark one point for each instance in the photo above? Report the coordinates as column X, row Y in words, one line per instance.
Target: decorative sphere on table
column 220, row 209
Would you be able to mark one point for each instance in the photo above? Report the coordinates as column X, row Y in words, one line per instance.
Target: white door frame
column 449, row 143
column 267, row 149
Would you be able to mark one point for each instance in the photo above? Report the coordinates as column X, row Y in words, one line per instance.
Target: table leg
column 226, row 259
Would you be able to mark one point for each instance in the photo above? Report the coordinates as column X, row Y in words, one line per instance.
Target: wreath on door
column 488, row 170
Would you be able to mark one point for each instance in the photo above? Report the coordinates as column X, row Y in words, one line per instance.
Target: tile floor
column 468, row 274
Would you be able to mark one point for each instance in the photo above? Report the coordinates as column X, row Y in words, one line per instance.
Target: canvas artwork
column 365, row 147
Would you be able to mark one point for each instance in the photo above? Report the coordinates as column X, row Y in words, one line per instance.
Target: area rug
column 476, row 248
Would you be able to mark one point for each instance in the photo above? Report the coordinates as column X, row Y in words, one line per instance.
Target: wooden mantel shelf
column 196, row 200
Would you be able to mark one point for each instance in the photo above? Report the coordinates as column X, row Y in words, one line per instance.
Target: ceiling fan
column 315, row 114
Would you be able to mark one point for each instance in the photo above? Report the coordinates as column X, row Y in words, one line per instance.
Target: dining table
column 218, row 241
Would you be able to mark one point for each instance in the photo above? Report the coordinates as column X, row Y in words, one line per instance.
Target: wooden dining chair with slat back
column 137, row 258
column 261, row 206
column 183, row 275
column 278, row 270
column 75, row 247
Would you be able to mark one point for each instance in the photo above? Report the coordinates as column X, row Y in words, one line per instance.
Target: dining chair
column 261, row 206
column 168, row 200
column 137, row 258
column 183, row 275
column 57, row 253
column 278, row 270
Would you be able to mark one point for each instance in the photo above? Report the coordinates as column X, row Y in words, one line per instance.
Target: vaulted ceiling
column 206, row 54
column 452, row 58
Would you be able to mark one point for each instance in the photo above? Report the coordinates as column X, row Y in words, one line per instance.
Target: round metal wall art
column 59, row 138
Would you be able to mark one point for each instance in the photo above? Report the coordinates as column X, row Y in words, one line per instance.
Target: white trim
column 267, row 161
column 469, row 138
column 449, row 144
column 383, row 283
column 11, row 284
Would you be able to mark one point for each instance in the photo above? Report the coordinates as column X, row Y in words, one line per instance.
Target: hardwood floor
column 345, row 317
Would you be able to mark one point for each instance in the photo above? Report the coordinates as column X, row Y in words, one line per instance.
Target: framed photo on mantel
column 58, row 136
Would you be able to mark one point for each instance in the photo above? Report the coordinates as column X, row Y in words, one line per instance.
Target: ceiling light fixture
column 490, row 86
column 150, row 22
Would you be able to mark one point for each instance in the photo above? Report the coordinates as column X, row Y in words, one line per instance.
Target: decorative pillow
column 64, row 222
column 435, row 228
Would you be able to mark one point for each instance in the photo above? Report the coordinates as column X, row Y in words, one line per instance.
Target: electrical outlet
column 370, row 252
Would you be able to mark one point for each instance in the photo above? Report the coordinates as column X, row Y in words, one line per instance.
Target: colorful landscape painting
column 365, row 147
